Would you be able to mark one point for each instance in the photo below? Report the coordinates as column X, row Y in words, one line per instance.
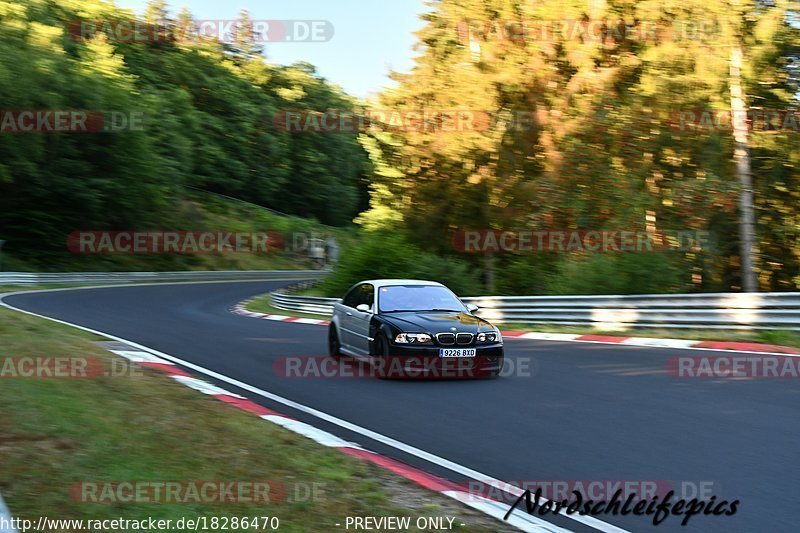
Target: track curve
column 588, row 412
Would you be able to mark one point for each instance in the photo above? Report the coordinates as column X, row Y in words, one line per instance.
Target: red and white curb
column 651, row 342
column 747, row 347
column 6, row 522
column 495, row 509
column 240, row 309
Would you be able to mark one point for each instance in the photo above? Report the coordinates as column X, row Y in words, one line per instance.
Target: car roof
column 393, row 282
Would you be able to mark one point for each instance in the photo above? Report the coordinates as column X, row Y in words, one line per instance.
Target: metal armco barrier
column 303, row 304
column 766, row 310
column 28, row 278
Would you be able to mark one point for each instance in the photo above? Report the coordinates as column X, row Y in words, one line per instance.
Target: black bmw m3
column 413, row 328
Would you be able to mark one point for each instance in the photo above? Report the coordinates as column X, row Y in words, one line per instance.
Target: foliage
column 572, row 132
column 207, row 109
column 616, row 273
column 385, row 254
column 601, row 147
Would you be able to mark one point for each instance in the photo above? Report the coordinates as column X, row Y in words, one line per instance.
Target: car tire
column 381, row 351
column 334, row 348
column 496, row 373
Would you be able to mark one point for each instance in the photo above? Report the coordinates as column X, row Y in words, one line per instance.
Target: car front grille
column 463, row 338
column 446, row 338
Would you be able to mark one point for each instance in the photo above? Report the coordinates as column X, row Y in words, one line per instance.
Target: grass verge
column 195, row 211
column 17, row 288
column 144, row 427
column 781, row 338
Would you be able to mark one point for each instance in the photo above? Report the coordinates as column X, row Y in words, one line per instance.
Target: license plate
column 457, row 352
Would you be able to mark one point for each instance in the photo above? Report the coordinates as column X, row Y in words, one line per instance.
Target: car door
column 344, row 312
column 359, row 320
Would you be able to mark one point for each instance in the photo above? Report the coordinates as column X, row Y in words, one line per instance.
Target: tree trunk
column 741, row 156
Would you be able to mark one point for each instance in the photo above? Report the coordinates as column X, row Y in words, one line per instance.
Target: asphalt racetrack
column 574, row 412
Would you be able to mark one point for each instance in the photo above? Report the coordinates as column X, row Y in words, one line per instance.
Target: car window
column 351, row 299
column 366, row 294
column 418, row 298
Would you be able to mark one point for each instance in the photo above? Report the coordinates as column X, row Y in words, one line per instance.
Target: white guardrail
column 30, row 278
column 766, row 310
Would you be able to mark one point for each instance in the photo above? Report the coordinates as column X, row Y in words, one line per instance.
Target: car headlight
column 410, row 338
column 489, row 336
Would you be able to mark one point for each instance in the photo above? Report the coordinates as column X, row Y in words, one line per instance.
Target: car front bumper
column 408, row 361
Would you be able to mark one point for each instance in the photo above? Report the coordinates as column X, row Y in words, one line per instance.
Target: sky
column 370, row 36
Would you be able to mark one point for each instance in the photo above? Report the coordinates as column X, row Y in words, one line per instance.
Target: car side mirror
column 364, row 308
column 472, row 308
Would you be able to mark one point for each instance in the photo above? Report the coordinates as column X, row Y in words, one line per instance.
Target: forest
column 557, row 116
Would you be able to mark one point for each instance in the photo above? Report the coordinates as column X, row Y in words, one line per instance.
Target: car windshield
column 418, row 298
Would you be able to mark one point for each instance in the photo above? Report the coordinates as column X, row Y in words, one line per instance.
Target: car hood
column 436, row 321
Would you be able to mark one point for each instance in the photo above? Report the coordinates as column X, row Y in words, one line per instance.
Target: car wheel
column 380, row 351
column 334, row 348
column 380, row 347
column 496, row 373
